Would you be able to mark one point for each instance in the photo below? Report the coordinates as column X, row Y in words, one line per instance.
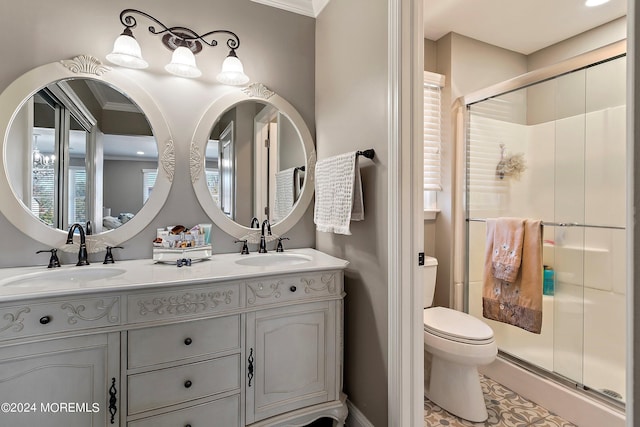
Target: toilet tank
column 430, row 271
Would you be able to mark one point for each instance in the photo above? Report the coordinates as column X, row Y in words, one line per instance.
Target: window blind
column 433, row 84
column 148, row 181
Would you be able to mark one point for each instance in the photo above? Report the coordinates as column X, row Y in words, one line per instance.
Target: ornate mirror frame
column 86, row 67
column 254, row 92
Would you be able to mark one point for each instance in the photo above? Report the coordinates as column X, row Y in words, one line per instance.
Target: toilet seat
column 456, row 326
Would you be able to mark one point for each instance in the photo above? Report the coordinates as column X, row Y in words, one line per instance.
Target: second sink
column 265, row 260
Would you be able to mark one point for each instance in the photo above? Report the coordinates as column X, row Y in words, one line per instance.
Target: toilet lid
column 456, row 324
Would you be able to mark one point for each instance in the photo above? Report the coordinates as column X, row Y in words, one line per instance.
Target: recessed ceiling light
column 140, row 153
column 592, row 3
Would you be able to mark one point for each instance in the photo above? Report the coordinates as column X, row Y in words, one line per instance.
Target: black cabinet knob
column 187, row 425
column 187, row 384
column 45, row 319
column 188, row 341
column 293, row 288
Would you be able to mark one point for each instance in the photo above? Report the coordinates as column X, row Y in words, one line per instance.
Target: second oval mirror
column 257, row 160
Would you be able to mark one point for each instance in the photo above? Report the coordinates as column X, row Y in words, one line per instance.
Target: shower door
column 555, row 151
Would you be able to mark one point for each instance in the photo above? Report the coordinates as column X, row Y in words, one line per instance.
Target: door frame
column 405, row 213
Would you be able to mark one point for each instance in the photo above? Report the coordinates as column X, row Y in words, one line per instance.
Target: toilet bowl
column 455, row 344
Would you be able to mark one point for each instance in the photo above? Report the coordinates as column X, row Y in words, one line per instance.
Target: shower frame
column 460, row 223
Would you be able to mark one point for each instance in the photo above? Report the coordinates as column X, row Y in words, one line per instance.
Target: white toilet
column 455, row 344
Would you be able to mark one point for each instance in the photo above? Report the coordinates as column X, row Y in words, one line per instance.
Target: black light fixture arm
column 179, row 36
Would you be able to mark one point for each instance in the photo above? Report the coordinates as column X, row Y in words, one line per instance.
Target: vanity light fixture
column 185, row 44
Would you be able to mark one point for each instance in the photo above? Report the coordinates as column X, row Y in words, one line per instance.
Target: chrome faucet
column 82, row 253
column 263, row 242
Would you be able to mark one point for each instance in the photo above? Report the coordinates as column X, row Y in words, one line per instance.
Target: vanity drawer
column 223, row 412
column 179, row 303
column 273, row 290
column 64, row 315
column 157, row 389
column 161, row 344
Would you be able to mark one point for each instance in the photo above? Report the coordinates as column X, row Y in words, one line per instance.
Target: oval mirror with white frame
column 252, row 156
column 82, row 143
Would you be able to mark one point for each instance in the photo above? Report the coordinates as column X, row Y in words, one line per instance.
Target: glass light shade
column 126, row 53
column 232, row 71
column 183, row 63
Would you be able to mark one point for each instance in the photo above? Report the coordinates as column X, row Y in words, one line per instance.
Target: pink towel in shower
column 517, row 302
column 508, row 234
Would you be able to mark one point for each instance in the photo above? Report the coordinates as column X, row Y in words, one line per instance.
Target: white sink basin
column 71, row 275
column 277, row 258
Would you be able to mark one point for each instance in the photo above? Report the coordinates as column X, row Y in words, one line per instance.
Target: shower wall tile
column 619, row 261
column 598, row 260
column 605, row 173
column 569, row 167
column 533, row 195
column 568, row 330
column 604, row 340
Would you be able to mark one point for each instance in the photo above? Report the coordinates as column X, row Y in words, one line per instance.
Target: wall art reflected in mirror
column 82, row 144
column 252, row 157
column 254, row 163
column 84, row 152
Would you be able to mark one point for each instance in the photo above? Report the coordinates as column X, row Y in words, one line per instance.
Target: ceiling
column 517, row 25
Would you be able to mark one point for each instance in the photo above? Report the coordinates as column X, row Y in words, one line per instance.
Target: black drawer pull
column 188, row 341
column 45, row 319
column 293, row 288
column 188, row 425
column 187, row 384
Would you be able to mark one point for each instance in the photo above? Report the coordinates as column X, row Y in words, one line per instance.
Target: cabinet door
column 291, row 358
column 61, row 383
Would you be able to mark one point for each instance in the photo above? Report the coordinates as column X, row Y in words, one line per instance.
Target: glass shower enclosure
column 555, row 150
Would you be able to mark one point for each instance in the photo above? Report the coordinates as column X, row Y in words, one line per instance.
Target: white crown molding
column 310, row 8
column 98, row 92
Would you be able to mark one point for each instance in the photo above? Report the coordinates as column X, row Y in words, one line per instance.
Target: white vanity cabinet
column 263, row 350
column 50, row 378
column 292, row 354
column 185, row 373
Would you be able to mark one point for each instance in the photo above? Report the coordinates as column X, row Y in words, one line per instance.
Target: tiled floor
column 506, row 409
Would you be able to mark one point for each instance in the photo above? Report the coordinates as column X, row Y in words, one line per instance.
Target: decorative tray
column 172, row 255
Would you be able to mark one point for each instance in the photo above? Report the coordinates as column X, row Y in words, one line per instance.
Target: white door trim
column 405, row 231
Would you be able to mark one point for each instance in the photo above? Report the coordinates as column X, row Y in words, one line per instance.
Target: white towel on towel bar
column 338, row 193
column 285, row 193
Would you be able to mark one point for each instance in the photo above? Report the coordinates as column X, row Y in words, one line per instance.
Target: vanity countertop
column 20, row 283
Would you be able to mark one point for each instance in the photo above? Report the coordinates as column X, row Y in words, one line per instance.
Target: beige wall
column 351, row 114
column 600, row 36
column 430, row 56
column 271, row 55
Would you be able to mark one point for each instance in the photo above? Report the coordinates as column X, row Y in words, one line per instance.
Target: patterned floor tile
column 552, row 421
column 493, row 389
column 505, row 409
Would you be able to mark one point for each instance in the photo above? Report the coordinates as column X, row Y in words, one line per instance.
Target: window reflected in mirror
column 84, row 152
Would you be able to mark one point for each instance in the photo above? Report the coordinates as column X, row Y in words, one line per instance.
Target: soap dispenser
column 548, row 283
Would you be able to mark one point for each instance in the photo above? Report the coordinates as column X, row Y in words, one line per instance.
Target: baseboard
column 566, row 403
column 356, row 418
